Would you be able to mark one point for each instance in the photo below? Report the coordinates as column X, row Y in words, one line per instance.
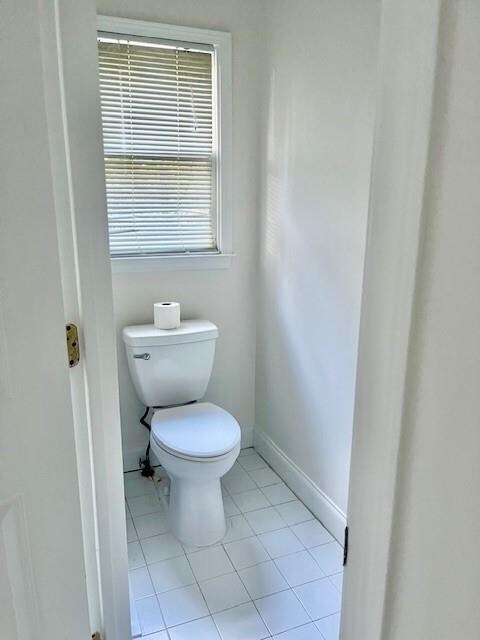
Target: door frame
column 404, row 107
column 76, row 151
column 406, row 79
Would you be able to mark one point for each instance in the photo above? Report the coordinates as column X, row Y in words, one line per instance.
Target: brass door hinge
column 73, row 348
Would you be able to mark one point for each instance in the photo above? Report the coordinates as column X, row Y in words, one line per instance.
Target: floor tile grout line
column 161, row 611
column 280, row 515
column 221, row 544
column 298, row 626
column 197, row 582
column 329, row 615
column 141, row 551
column 211, row 615
column 257, row 565
column 334, row 585
column 247, row 491
column 273, row 506
column 149, row 513
column 152, row 490
column 253, row 535
column 306, row 581
column 282, row 482
column 251, row 601
column 129, row 499
column 302, row 584
column 316, row 563
column 301, row 604
column 235, row 606
column 262, row 618
column 237, row 572
column 220, row 575
column 175, row 626
column 230, row 609
column 234, row 569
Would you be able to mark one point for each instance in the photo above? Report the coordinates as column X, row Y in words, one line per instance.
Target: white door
column 42, row 574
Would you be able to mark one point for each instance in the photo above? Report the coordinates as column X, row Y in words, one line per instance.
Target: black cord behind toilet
column 147, row 470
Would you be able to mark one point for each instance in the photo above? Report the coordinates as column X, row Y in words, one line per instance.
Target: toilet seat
column 200, row 431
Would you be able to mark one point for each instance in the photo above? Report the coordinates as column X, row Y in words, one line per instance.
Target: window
column 165, row 119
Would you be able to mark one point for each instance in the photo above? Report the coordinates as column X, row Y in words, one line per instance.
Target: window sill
column 191, row 262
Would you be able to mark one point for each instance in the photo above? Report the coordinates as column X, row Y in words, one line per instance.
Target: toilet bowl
column 196, row 444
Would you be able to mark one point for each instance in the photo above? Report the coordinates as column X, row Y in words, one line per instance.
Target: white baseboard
column 309, row 493
column 131, row 457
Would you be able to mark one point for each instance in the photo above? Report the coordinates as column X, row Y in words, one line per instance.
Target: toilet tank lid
column 147, row 335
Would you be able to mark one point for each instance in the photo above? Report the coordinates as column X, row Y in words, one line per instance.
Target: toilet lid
column 199, row 430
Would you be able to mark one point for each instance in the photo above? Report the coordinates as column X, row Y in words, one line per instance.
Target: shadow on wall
column 311, row 258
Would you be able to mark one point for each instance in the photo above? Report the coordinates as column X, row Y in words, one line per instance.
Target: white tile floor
column 276, row 574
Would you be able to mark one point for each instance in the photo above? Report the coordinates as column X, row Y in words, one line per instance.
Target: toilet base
column 196, row 513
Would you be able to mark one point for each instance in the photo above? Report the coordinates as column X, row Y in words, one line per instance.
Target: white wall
column 320, row 64
column 225, row 297
column 435, row 566
column 303, row 118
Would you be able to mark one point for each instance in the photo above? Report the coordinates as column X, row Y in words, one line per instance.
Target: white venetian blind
column 157, row 119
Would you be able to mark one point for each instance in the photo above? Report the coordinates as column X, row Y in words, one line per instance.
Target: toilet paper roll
column 166, row 315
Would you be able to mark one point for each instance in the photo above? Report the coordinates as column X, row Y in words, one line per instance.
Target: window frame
column 221, row 41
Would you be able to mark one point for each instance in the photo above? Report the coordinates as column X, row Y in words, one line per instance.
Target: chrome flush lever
column 142, row 356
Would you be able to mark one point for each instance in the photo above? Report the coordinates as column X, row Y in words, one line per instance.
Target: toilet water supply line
column 148, row 471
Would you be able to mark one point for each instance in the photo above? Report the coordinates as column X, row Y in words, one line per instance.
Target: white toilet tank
column 170, row 366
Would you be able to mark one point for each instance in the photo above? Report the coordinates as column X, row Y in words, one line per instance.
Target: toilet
column 195, row 442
